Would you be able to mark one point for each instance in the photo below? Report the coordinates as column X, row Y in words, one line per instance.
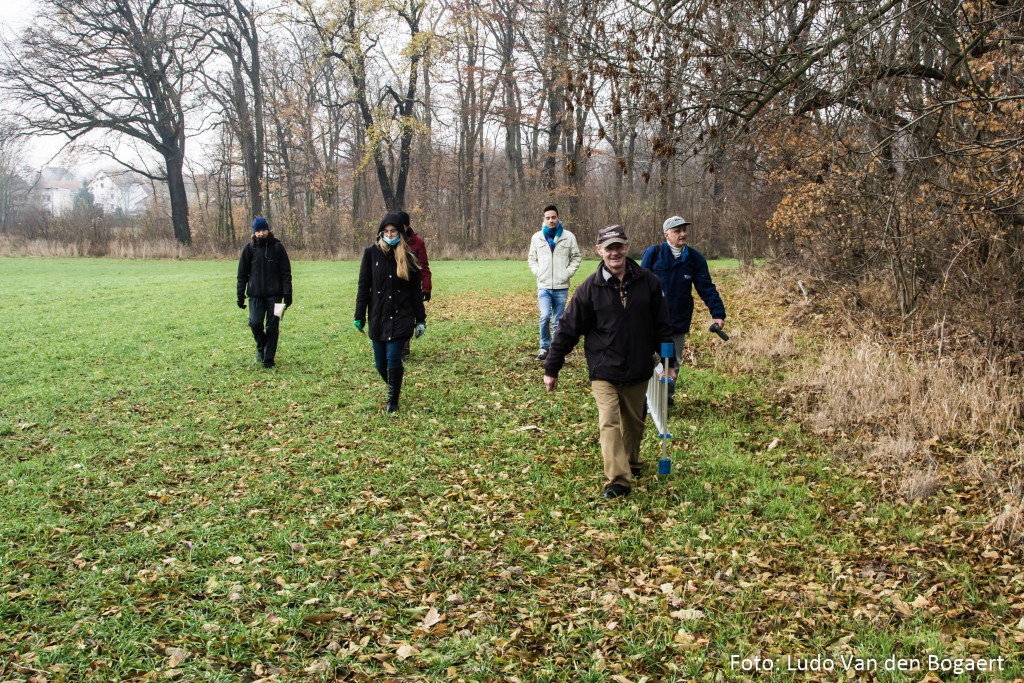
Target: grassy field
column 169, row 510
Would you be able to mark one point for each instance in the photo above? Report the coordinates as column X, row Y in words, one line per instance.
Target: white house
column 54, row 190
column 120, row 191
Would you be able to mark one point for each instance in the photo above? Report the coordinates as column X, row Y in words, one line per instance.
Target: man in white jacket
column 554, row 258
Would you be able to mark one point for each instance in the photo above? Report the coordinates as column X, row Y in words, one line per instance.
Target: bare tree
column 234, row 35
column 384, row 92
column 13, row 188
column 121, row 66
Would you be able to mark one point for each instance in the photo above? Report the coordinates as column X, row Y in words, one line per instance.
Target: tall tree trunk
column 178, row 197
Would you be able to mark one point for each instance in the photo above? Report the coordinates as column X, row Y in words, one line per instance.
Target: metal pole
column 668, row 351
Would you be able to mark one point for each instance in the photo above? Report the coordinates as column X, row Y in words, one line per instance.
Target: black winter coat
column 264, row 271
column 621, row 343
column 394, row 305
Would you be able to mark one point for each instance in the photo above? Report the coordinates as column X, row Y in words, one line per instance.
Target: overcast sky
column 40, row 151
column 14, row 12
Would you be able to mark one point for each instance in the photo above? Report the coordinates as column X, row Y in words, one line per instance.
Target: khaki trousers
column 620, row 413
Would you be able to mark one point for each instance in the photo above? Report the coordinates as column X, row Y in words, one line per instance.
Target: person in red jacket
column 418, row 247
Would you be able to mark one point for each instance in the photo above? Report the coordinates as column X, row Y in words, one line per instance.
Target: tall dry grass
column 113, row 248
column 845, row 374
column 885, row 399
column 869, row 386
column 164, row 248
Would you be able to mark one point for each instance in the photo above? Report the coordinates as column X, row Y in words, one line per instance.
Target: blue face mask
column 392, row 241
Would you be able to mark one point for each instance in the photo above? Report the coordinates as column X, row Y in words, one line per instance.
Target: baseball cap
column 674, row 222
column 612, row 234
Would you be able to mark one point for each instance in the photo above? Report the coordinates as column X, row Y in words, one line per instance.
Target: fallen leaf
column 687, row 614
column 176, row 656
column 431, row 618
column 320, row 618
column 902, row 607
column 316, row 667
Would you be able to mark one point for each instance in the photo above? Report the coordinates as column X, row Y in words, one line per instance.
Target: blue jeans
column 387, row 354
column 552, row 304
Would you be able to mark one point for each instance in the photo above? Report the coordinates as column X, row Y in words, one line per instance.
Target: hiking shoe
column 543, row 355
column 615, row 491
column 268, row 363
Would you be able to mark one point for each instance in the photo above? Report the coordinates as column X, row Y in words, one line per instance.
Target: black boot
column 394, row 388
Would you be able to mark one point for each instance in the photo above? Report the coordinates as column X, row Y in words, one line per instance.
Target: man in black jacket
column 621, row 311
column 265, row 274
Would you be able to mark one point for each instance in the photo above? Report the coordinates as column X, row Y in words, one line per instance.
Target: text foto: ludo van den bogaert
column 956, row 666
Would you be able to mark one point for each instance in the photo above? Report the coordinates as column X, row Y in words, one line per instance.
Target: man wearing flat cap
column 621, row 313
column 681, row 269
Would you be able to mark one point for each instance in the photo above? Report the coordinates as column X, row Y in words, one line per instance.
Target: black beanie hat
column 406, row 222
column 390, row 219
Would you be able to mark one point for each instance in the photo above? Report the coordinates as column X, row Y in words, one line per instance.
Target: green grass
column 161, row 493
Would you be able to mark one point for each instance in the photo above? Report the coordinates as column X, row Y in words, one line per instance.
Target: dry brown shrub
column 920, row 484
column 1009, row 523
column 892, row 450
column 870, row 384
column 979, row 469
column 21, row 246
column 148, row 249
column 756, row 347
column 780, row 281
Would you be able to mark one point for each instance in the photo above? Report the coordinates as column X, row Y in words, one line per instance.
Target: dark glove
column 426, row 296
column 241, row 303
column 288, row 302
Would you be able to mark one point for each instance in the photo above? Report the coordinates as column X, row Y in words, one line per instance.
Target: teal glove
column 358, row 324
column 420, row 329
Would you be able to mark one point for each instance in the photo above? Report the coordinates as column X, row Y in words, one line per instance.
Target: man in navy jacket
column 681, row 269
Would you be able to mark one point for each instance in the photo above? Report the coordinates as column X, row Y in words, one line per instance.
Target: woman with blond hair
column 391, row 292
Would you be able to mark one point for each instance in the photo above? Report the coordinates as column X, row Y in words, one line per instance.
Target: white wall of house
column 119, row 193
column 54, row 190
column 57, row 200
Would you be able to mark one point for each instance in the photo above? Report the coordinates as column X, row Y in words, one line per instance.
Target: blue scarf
column 552, row 234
